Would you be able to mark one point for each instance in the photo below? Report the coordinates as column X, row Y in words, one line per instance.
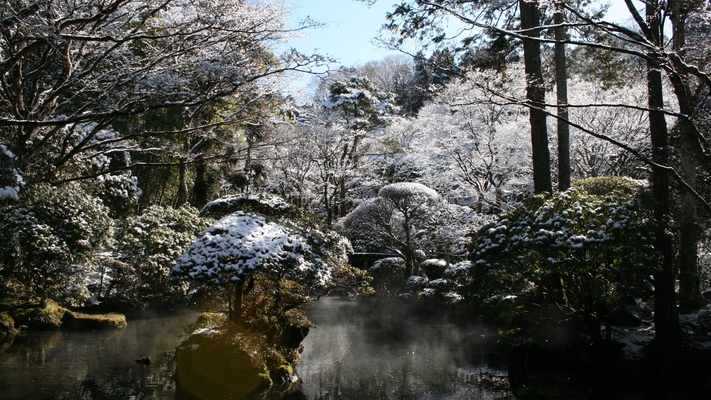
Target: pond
column 353, row 353
column 93, row 365
column 377, row 351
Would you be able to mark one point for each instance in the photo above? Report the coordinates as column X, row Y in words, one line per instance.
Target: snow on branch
column 240, row 244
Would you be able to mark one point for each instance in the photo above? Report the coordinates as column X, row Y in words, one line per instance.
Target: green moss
column 43, row 317
column 207, row 319
column 75, row 320
column 7, row 325
column 50, row 315
column 604, row 185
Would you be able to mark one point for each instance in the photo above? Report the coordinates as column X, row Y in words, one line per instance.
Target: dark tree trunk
column 201, row 186
column 535, row 94
column 561, row 80
column 690, row 296
column 182, row 195
column 343, row 204
column 236, row 303
column 409, row 251
column 666, row 316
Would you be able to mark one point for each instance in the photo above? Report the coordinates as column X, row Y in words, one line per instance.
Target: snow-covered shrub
column 433, row 267
column 264, row 204
column 147, row 248
column 387, row 276
column 581, row 251
column 235, row 248
column 120, row 192
column 416, row 283
column 10, row 179
column 50, row 240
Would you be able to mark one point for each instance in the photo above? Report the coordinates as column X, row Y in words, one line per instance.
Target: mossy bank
column 49, row 315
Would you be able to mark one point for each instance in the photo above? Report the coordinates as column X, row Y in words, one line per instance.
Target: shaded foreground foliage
column 588, row 251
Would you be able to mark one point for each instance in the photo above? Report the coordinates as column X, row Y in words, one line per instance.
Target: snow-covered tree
column 356, row 110
column 66, row 64
column 468, row 146
column 396, row 220
column 236, row 247
column 596, row 110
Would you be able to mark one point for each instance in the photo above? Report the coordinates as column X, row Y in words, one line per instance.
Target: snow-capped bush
column 387, row 276
column 583, row 251
column 51, row 240
column 147, row 248
column 241, row 244
column 265, row 204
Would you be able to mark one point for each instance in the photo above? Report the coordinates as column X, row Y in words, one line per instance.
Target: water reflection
column 93, row 365
column 356, row 353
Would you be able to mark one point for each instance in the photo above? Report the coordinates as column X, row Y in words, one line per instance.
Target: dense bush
column 50, row 241
column 586, row 253
column 387, row 276
column 146, row 249
column 227, row 261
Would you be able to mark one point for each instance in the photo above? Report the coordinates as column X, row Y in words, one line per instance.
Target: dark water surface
column 357, row 351
column 93, row 365
column 378, row 351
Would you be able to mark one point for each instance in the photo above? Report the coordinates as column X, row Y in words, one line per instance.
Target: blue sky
column 351, row 26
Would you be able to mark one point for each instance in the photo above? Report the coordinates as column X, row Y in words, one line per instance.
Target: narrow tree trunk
column 409, row 252
column 343, row 206
column 327, row 203
column 535, row 94
column 182, row 195
column 666, row 316
column 561, row 80
column 236, row 305
column 690, row 296
column 201, row 187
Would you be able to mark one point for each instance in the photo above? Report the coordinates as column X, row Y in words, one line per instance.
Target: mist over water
column 359, row 350
column 366, row 350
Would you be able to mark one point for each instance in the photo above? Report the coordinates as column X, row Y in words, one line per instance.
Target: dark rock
column 704, row 322
column 144, row 360
column 625, row 316
column 294, row 335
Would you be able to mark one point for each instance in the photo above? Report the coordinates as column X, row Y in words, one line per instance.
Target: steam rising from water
column 360, row 351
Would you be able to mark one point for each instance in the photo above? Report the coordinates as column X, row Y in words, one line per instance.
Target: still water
column 357, row 351
column 93, row 365
column 378, row 351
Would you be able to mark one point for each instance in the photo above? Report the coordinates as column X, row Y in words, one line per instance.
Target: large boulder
column 209, row 367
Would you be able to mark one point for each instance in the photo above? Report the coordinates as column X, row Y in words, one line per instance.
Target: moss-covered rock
column 7, row 325
column 49, row 315
column 209, row 366
column 80, row 321
column 224, row 360
column 45, row 316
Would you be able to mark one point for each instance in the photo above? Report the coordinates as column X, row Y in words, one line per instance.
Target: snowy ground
column 636, row 338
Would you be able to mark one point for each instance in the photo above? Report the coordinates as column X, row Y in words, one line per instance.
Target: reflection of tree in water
column 93, row 365
column 141, row 382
